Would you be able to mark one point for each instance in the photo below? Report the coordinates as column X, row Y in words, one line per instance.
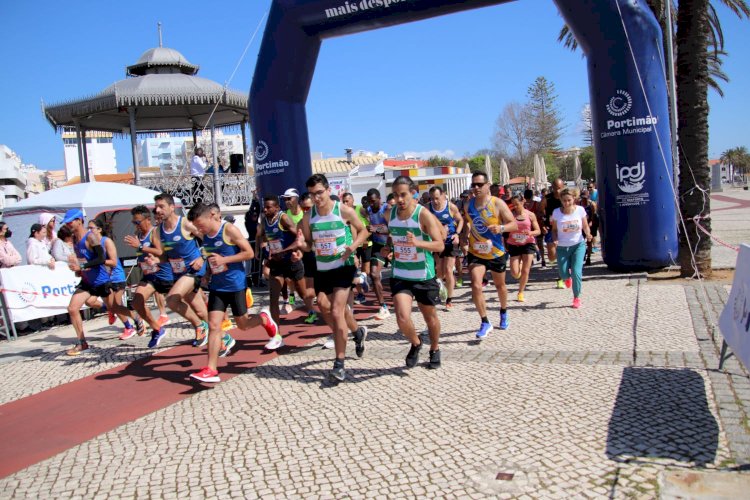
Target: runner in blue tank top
column 157, row 276
column 116, row 282
column 450, row 218
column 378, row 228
column 226, row 250
column 175, row 245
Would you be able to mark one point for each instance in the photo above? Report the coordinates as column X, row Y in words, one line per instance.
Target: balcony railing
column 233, row 189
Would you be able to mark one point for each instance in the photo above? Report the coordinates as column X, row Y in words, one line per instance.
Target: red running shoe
column 111, row 318
column 272, row 329
column 206, row 374
column 568, row 282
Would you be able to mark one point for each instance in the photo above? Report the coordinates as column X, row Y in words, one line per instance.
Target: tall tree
column 545, row 122
column 512, row 133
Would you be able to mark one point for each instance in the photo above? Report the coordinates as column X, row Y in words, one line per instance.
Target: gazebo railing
column 234, row 189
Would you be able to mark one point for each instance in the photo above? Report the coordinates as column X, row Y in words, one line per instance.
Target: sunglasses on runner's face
column 136, row 222
column 478, row 184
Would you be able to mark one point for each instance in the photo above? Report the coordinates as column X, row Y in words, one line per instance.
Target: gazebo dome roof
column 161, row 60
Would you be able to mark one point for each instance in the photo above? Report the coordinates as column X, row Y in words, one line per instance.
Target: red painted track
column 40, row 426
column 729, row 199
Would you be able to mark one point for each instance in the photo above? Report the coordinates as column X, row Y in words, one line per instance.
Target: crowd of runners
column 330, row 252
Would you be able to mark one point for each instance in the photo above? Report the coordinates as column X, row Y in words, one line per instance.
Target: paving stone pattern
column 567, row 403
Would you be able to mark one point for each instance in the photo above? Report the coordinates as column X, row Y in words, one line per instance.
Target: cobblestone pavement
column 595, row 402
column 730, row 211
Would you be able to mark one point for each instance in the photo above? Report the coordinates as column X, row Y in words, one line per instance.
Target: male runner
column 175, row 243
column 326, row 229
column 378, row 228
column 550, row 203
column 227, row 249
column 364, row 253
column 450, row 217
column 157, row 276
column 416, row 234
column 489, row 218
column 279, row 231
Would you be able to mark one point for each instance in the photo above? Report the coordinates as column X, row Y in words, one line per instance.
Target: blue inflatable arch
column 622, row 43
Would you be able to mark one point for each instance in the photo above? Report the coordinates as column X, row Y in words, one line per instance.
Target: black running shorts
column 495, row 265
column 327, row 281
column 219, row 301
column 294, row 271
column 518, row 250
column 425, row 292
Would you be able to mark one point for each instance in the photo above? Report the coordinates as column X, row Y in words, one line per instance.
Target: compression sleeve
column 98, row 260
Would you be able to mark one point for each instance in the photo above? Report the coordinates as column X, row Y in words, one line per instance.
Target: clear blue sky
column 434, row 85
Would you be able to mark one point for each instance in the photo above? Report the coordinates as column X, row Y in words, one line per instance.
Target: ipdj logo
column 741, row 309
column 620, row 104
column 630, row 179
column 28, row 293
column 261, row 151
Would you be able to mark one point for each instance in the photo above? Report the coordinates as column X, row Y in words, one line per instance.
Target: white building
column 12, row 179
column 99, row 149
column 172, row 154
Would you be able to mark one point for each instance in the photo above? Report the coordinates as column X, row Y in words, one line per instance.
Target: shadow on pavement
column 662, row 413
column 305, row 373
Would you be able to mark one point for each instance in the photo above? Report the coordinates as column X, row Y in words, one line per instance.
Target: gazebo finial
column 158, row 27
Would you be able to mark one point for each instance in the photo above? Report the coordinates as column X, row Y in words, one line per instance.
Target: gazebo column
column 85, row 155
column 244, row 147
column 217, row 168
column 134, row 146
column 81, row 168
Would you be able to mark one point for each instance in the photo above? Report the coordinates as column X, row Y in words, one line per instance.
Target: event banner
column 33, row 292
column 735, row 318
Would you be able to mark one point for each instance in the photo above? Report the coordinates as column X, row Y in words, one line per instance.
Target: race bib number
column 404, row 252
column 178, row 266
column 217, row 269
column 275, row 246
column 149, row 268
column 380, row 228
column 519, row 237
column 482, row 247
column 571, row 227
column 325, row 247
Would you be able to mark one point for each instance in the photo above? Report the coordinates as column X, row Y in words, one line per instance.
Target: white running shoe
column 383, row 313
column 329, row 343
column 275, row 343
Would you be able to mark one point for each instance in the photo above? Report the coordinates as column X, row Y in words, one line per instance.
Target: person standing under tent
column 48, row 220
column 489, row 217
column 415, row 234
column 327, row 230
column 569, row 226
column 450, row 217
column 522, row 243
column 9, row 256
column 37, row 252
column 227, row 250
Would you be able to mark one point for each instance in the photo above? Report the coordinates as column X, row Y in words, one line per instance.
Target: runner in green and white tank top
column 409, row 262
column 331, row 235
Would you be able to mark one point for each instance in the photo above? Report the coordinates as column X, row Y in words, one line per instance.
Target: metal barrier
column 233, row 189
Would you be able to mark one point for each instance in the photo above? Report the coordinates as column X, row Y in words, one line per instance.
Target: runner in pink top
column 521, row 244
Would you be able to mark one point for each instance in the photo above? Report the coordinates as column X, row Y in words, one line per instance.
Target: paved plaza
column 619, row 399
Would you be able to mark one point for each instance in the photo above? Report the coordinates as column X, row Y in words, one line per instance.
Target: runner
column 175, row 243
column 489, row 218
column 326, row 230
column 280, row 232
column 450, row 217
column 593, row 220
column 295, row 213
column 535, row 207
column 415, row 234
column 364, row 253
column 157, row 276
column 463, row 239
column 227, row 249
column 569, row 225
column 522, row 243
column 550, row 203
column 378, row 229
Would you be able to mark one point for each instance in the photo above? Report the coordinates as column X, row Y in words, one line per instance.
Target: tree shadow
column 661, row 413
column 307, row 373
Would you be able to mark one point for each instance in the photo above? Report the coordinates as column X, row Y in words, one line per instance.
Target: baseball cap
column 289, row 193
column 73, row 214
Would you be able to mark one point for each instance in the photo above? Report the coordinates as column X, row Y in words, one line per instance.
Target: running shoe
column 413, row 357
column 516, row 276
column 292, row 300
column 443, row 292
column 459, row 282
column 364, row 283
column 521, row 298
column 127, row 333
column 163, row 320
column 568, row 282
column 360, row 298
column 206, row 374
column 78, row 348
column 337, row 373
column 504, row 321
column 156, row 336
column 484, row 330
column 560, row 285
column 140, row 327
column 201, row 335
column 449, row 305
column 553, row 263
column 111, row 318
column 359, row 340
column 275, row 342
column 434, row 360
column 227, row 342
column 249, row 300
column 485, row 282
column 287, row 307
column 226, row 325
column 383, row 313
column 576, row 303
column 311, row 318
column 272, row 329
column 329, row 343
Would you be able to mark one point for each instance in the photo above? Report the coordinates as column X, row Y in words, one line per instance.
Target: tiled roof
column 121, row 178
column 341, row 165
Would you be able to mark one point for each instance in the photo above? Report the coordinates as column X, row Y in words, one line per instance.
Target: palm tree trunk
column 692, row 118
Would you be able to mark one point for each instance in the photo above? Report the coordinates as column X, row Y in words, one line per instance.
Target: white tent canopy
column 93, row 197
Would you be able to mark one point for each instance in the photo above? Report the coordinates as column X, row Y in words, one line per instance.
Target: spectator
column 62, row 248
column 9, row 256
column 36, row 250
column 198, row 163
column 48, row 220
